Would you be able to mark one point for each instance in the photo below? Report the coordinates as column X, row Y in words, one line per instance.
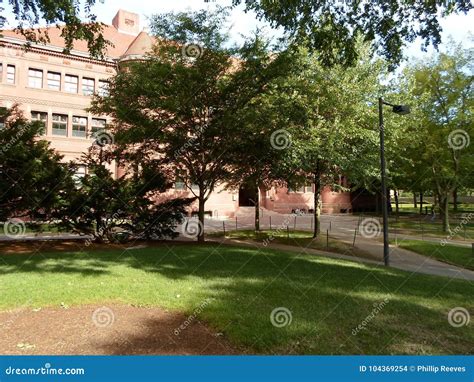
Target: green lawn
column 328, row 298
column 461, row 256
column 426, row 227
column 302, row 239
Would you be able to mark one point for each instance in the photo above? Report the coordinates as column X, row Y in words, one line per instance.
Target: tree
column 109, row 208
column 178, row 104
column 332, row 28
column 442, row 93
column 339, row 137
column 31, row 173
column 65, row 14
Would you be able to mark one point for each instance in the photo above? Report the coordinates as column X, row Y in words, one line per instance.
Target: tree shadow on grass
column 288, row 303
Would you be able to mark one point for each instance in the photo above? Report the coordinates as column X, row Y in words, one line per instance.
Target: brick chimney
column 127, row 22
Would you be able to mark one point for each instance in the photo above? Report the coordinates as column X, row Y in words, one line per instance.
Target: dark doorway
column 247, row 196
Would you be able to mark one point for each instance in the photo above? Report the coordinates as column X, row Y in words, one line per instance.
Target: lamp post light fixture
column 402, row 110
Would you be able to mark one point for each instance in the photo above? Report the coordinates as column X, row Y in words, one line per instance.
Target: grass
column 328, row 298
column 302, row 239
column 452, row 254
column 426, row 227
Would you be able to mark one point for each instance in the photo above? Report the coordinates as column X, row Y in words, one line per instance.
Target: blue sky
column 457, row 26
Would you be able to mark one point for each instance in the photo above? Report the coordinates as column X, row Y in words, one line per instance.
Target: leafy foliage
column 31, row 173
column 112, row 209
column 332, row 28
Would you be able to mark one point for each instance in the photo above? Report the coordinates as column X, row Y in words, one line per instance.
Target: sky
column 457, row 26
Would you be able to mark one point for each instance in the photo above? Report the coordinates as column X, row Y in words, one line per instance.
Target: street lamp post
column 398, row 109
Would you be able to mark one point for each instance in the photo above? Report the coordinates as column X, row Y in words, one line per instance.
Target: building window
column 98, row 125
column 41, row 117
column 103, row 88
column 79, row 127
column 11, row 74
column 88, row 86
column 308, row 187
column 71, row 83
column 35, row 78
column 54, row 81
column 60, row 125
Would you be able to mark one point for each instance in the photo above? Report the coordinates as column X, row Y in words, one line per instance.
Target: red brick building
column 56, row 88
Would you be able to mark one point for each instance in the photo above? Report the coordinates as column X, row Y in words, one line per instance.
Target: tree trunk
column 444, row 211
column 257, row 210
column 317, row 204
column 397, row 206
column 455, row 200
column 202, row 202
column 421, row 203
column 414, row 201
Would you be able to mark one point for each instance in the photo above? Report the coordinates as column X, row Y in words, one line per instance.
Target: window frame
column 89, row 92
column 48, row 80
column 55, row 122
column 35, row 114
column 9, row 80
column 82, row 126
column 35, row 78
column 68, row 83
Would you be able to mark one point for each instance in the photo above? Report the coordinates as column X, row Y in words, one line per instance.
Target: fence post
column 330, row 225
column 355, row 235
column 236, row 223
column 327, row 239
column 223, row 226
column 288, row 231
column 270, row 218
column 311, row 223
column 294, row 227
column 422, row 232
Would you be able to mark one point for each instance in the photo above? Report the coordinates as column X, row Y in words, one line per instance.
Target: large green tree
column 340, row 137
column 332, row 28
column 442, row 93
column 31, row 173
column 178, row 104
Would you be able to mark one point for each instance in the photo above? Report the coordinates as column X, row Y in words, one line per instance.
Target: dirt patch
column 106, row 330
